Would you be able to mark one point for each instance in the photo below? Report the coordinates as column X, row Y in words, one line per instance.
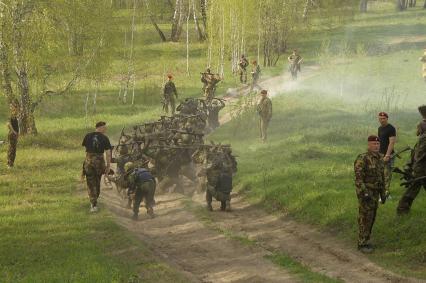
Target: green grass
column 317, row 130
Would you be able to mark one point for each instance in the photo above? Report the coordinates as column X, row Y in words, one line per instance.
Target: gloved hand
column 366, row 197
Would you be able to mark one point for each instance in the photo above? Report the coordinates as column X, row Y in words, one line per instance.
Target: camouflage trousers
column 209, row 92
column 169, row 104
column 407, row 199
column 366, row 216
column 94, row 167
column 144, row 191
column 243, row 76
column 11, row 150
column 264, row 123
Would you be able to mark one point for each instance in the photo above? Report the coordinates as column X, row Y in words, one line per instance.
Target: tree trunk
column 154, row 23
column 177, row 21
column 203, row 5
column 424, row 5
column 306, row 10
column 363, row 6
column 200, row 31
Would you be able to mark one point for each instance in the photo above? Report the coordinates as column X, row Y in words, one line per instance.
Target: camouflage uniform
column 264, row 109
column 243, row 69
column 370, row 186
column 294, row 67
column 210, row 89
column 255, row 77
column 418, row 165
column 169, row 97
column 143, row 189
column 94, row 167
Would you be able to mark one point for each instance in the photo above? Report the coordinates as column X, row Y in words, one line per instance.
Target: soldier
column 242, row 66
column 214, row 108
column 169, row 95
column 204, row 79
column 423, row 59
column 142, row 184
column 295, row 60
column 387, row 136
column 96, row 144
column 210, row 89
column 264, row 109
column 418, row 168
column 12, row 137
column 219, row 180
column 255, row 74
column 370, row 186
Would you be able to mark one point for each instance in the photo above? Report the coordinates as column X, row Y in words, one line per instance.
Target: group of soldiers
column 170, row 154
column 243, row 64
column 373, row 171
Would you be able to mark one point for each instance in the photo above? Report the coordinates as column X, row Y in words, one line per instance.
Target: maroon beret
column 264, row 91
column 384, row 114
column 373, row 138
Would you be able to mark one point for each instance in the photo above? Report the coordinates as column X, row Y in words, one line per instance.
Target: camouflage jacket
column 264, row 108
column 243, row 64
column 256, row 72
column 369, row 174
column 170, row 89
column 420, row 149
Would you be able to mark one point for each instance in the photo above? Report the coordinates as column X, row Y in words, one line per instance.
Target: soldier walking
column 418, row 168
column 387, row 137
column 242, row 66
column 264, row 109
column 370, row 186
column 255, row 74
column 142, row 184
column 12, row 137
column 169, row 95
column 295, row 60
column 96, row 144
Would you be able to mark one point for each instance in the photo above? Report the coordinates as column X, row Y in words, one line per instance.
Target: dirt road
column 200, row 245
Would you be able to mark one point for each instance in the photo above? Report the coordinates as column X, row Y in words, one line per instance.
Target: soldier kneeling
column 220, row 189
column 142, row 184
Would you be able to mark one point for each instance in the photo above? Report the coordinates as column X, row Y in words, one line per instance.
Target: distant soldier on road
column 423, row 59
column 264, row 109
column 96, row 144
column 12, row 137
column 295, row 61
column 370, row 186
column 418, row 167
column 142, row 184
column 255, row 74
column 169, row 95
column 242, row 68
column 387, row 136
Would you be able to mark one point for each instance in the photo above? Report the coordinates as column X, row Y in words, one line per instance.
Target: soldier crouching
column 142, row 184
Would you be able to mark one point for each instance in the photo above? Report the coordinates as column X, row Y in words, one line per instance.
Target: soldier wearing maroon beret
column 370, row 187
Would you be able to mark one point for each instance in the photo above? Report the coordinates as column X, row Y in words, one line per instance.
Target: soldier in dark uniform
column 96, row 144
column 242, row 66
column 255, row 74
column 169, row 95
column 12, row 137
column 418, row 167
column 370, row 187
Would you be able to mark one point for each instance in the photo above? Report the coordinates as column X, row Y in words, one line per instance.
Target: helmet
column 129, row 166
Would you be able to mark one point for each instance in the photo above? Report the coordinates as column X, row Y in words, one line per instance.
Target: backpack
column 143, row 175
column 225, row 183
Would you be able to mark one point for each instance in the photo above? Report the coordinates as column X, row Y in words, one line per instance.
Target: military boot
column 223, row 205
column 150, row 212
column 135, row 216
column 404, row 206
column 209, row 206
column 366, row 249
